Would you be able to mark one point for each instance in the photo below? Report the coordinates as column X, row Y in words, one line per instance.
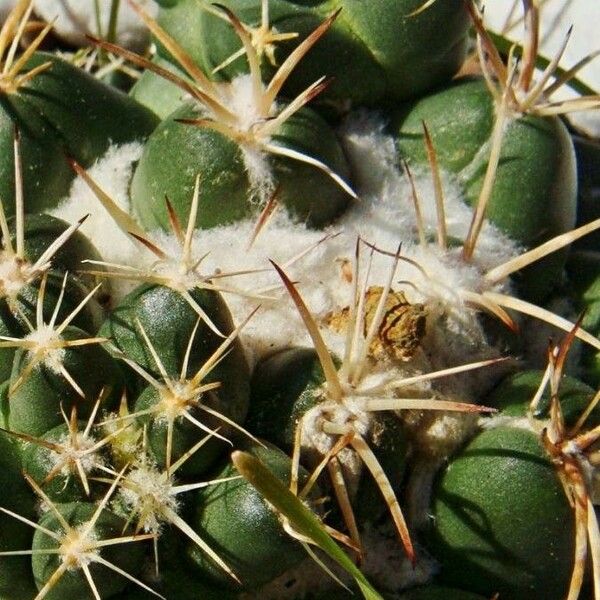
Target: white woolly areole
column 13, row 275
column 314, row 438
column 48, row 342
column 77, row 548
column 72, row 451
column 239, row 98
column 147, row 493
column 384, row 216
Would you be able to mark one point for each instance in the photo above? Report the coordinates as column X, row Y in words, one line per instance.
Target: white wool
column 314, row 438
column 240, row 99
column 384, row 216
column 506, row 421
column 260, row 173
column 149, row 494
column 71, row 452
column 47, row 344
column 112, row 172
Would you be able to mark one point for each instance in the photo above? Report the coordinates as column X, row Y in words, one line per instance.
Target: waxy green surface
column 62, row 112
column 169, row 322
column 514, row 394
column 16, row 579
column 375, row 52
column 242, row 527
column 535, row 189
column 176, row 153
column 501, row 520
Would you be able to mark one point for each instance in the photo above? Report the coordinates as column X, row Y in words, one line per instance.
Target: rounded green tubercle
column 242, row 527
column 501, row 521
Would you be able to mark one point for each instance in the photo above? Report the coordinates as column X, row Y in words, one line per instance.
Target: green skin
column 13, row 325
column 38, row 461
column 236, row 522
column 584, row 269
column 231, row 400
column 62, row 111
column 16, row 581
column 128, row 557
column 40, row 232
column 282, row 390
column 34, row 407
column 514, row 393
column 501, row 521
column 169, row 321
column 537, row 161
column 159, row 95
column 176, row 153
column 284, row 386
column 374, row 51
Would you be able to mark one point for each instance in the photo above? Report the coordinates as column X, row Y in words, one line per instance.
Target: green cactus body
column 34, row 407
column 169, row 321
column 176, row 153
column 375, row 51
column 537, row 159
column 16, row 580
column 501, row 519
column 584, row 268
column 177, row 583
column 243, row 528
column 74, row 583
column 283, row 388
column 159, row 95
column 62, row 111
column 514, row 393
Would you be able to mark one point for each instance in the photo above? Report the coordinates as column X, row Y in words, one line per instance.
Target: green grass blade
column 299, row 516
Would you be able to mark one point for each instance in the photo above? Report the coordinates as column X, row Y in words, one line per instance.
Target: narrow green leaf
column 299, row 516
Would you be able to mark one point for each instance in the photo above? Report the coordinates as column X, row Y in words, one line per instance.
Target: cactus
column 283, row 358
